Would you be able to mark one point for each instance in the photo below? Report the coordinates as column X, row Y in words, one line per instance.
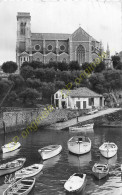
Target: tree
column 33, row 83
column 119, row 66
column 4, row 87
column 59, row 85
column 9, row 67
column 27, row 72
column 33, row 64
column 116, row 60
column 62, row 66
column 18, row 81
column 73, row 65
column 12, row 97
column 48, row 89
column 100, row 67
column 29, row 94
column 85, row 65
column 50, row 74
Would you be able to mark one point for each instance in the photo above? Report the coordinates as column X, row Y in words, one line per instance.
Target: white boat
column 75, row 183
column 10, row 147
column 100, row 170
column 108, row 149
column 50, row 151
column 79, row 145
column 29, row 171
column 21, row 187
column 81, row 128
column 12, row 166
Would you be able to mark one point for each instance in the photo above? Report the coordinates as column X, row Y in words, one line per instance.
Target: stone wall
column 17, row 120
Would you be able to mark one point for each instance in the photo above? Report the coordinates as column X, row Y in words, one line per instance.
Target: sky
column 101, row 20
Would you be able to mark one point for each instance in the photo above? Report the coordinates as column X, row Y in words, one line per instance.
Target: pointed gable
column 80, row 35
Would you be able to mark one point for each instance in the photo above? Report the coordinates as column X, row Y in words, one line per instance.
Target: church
column 58, row 47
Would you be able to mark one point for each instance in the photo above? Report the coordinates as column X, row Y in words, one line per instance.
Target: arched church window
column 64, row 60
column 38, row 59
column 80, row 54
column 22, row 28
column 92, row 48
column 51, row 60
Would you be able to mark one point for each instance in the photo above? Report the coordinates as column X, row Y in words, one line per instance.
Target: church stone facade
column 49, row 47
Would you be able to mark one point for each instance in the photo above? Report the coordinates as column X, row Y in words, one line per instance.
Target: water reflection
column 10, row 154
column 111, row 161
column 51, row 162
column 82, row 160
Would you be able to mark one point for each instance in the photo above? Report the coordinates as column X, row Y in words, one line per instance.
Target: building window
column 62, row 47
column 91, row 101
column 78, row 104
column 50, row 47
column 37, row 47
column 80, row 54
column 51, row 60
column 22, row 28
column 56, row 95
column 92, row 48
column 64, row 60
column 37, row 59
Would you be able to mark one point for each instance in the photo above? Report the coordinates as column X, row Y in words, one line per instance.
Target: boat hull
column 108, row 150
column 75, row 184
column 5, row 171
column 22, row 183
column 25, row 173
column 108, row 154
column 10, row 148
column 100, row 175
column 49, row 154
column 79, row 148
column 82, row 128
column 100, row 170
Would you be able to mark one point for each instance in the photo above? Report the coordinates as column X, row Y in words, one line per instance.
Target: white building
column 80, row 98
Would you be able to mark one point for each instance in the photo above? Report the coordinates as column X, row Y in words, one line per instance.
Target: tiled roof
column 49, row 36
column 81, row 92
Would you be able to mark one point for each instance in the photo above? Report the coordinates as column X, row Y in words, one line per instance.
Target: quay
column 63, row 125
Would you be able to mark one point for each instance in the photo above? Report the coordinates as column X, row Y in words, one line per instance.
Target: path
column 62, row 125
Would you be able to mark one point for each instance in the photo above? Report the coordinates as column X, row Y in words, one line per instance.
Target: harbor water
column 58, row 169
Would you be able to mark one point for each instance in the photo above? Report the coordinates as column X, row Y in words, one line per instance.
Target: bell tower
column 23, row 43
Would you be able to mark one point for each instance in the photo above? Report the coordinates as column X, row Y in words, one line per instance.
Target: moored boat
column 75, row 183
column 12, row 166
column 10, row 147
column 29, row 171
column 81, row 128
column 100, row 170
column 50, row 151
column 21, row 187
column 79, row 145
column 108, row 149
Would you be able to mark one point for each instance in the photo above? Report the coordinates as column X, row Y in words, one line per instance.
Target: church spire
column 108, row 51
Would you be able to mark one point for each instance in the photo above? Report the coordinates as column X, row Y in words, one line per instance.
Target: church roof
column 50, row 36
column 81, row 92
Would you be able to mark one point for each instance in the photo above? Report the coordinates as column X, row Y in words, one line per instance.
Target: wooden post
column 4, row 127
